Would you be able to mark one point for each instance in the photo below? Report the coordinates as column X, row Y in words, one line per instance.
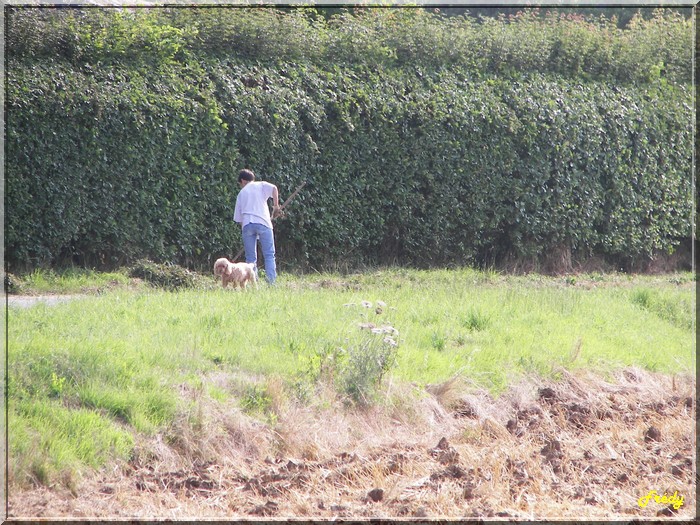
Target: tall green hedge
column 125, row 134
column 113, row 165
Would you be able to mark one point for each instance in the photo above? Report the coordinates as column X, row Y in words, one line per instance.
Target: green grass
column 71, row 281
column 87, row 377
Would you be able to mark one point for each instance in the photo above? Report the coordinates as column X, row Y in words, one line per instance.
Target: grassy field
column 89, row 377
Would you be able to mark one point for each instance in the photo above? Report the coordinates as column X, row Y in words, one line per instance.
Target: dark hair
column 246, row 175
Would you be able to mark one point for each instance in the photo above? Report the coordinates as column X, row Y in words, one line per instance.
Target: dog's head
column 222, row 267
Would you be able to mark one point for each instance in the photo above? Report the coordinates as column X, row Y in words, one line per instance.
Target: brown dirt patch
column 579, row 448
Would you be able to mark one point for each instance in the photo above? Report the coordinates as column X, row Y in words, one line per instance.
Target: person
column 253, row 213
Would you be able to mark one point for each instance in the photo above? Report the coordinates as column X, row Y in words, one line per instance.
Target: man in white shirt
column 253, row 214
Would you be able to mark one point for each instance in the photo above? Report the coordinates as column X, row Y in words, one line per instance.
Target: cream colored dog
column 237, row 273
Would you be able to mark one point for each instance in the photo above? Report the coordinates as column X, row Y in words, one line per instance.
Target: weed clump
column 165, row 275
column 366, row 361
column 673, row 309
column 12, row 284
column 476, row 321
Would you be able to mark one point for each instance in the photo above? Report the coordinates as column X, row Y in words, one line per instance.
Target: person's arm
column 276, row 211
column 275, row 197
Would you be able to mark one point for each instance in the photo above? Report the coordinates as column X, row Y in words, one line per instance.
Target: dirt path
column 26, row 301
column 581, row 448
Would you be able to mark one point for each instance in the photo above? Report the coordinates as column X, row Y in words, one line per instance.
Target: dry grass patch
column 580, row 447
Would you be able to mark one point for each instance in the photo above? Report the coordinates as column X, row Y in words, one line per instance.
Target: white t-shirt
column 251, row 204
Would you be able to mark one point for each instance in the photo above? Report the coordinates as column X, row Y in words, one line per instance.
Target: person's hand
column 276, row 212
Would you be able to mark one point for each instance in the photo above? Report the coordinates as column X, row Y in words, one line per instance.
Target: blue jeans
column 251, row 233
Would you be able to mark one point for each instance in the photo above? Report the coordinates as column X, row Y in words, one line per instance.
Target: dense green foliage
column 621, row 15
column 424, row 139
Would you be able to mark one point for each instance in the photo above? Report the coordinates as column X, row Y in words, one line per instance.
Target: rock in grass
column 376, row 495
column 652, row 434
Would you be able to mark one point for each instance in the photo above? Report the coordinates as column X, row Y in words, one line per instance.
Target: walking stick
column 281, row 213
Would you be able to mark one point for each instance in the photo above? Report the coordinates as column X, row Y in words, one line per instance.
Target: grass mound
column 166, row 276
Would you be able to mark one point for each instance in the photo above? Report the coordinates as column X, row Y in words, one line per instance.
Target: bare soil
column 578, row 448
